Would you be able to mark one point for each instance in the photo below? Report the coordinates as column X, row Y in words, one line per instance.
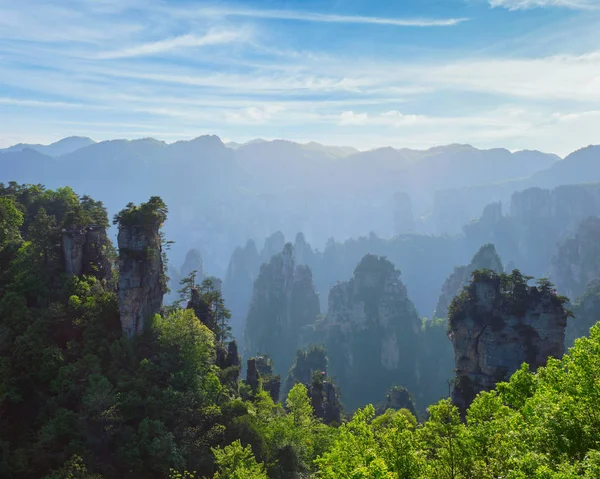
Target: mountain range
column 221, row 194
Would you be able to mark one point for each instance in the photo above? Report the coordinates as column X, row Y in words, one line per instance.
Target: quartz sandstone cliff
column 372, row 333
column 284, row 304
column 237, row 287
column 485, row 258
column 142, row 282
column 498, row 323
column 85, row 251
column 577, row 260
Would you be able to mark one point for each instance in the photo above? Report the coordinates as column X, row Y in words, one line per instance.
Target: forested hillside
column 82, row 395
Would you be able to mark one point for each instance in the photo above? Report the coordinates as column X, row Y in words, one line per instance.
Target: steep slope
column 371, row 333
column 284, row 304
column 499, row 322
column 577, row 259
column 238, row 286
column 485, row 258
column 142, row 282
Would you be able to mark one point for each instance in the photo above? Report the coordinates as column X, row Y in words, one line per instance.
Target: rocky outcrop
column 307, row 362
column 273, row 245
column 541, row 218
column 372, row 333
column 85, row 251
column 499, row 322
column 325, row 398
column 260, row 373
column 485, row 258
column 252, row 376
column 586, row 313
column 303, row 252
column 284, row 303
column 397, row 398
column 193, row 262
column 141, row 278
column 577, row 260
column 237, row 287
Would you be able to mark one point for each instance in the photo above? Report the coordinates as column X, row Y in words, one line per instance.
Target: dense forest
column 99, row 379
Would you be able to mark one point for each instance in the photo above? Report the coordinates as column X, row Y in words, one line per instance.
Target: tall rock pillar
column 142, row 281
column 499, row 322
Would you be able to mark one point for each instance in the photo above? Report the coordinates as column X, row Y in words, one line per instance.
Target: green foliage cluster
column 67, row 208
column 511, row 295
column 152, row 213
column 542, row 425
column 208, row 305
column 80, row 400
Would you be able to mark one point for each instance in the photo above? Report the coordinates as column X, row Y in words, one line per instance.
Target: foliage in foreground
column 77, row 400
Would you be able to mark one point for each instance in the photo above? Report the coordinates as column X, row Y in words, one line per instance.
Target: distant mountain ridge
column 220, row 196
column 58, row 148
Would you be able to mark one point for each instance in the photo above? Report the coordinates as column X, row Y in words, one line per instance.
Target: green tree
column 237, row 462
column 188, row 284
column 44, row 235
column 10, row 221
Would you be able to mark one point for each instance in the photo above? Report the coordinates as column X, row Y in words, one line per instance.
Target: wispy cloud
column 528, row 4
column 177, row 70
column 328, row 18
column 182, row 41
column 46, row 104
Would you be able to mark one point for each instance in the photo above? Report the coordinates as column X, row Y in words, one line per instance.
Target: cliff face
column 577, row 260
column 303, row 252
column 499, row 322
column 372, row 332
column 85, row 251
column 485, row 258
column 586, row 312
column 260, row 371
column 273, row 245
column 237, row 287
column 284, row 303
column 193, row 262
column 541, row 218
column 141, row 279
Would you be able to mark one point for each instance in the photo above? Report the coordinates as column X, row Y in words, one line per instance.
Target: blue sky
column 520, row 74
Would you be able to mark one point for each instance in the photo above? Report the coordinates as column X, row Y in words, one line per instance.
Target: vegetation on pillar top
column 152, row 213
column 511, row 294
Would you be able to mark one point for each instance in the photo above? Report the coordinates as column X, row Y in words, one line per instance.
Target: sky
column 519, row 74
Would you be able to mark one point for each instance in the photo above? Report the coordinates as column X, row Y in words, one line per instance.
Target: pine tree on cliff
column 208, row 305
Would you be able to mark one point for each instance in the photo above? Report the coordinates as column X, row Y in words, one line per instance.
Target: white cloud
column 183, row 41
column 46, row 104
column 399, row 119
column 351, row 118
column 527, row 4
column 253, row 114
column 328, row 18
